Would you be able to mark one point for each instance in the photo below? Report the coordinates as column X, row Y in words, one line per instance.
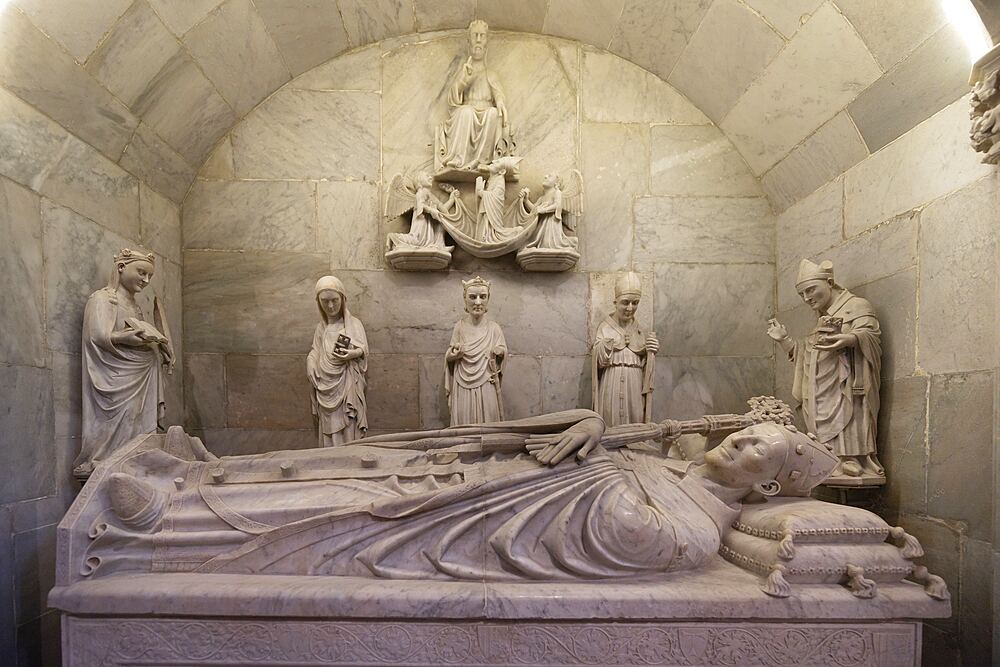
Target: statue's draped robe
column 417, row 515
column 122, row 385
column 839, row 390
column 618, row 371
column 473, row 382
column 469, row 138
column 338, row 393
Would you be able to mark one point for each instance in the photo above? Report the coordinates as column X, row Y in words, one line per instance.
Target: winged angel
column 550, row 207
column 413, row 193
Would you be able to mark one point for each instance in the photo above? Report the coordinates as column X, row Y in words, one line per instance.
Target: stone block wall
column 913, row 229
column 295, row 191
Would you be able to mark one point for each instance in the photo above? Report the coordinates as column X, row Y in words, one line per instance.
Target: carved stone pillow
column 801, row 540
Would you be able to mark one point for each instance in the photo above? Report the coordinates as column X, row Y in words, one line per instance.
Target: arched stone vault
column 803, row 88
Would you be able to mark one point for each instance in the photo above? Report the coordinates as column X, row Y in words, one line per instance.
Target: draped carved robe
column 338, row 395
column 618, row 371
column 473, row 382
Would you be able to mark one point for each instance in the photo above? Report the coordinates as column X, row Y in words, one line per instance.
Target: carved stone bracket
column 985, row 102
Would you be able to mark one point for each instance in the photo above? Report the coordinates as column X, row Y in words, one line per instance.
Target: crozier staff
column 336, row 367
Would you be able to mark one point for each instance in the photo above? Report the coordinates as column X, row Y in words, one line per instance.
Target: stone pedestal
column 547, row 259
column 418, row 259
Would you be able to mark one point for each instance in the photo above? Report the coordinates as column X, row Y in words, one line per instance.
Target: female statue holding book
column 336, row 367
column 122, row 355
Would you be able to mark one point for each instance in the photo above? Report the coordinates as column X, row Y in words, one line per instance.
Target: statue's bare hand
column 776, row 330
column 832, row 342
column 454, row 353
column 551, row 449
column 652, row 344
column 129, row 337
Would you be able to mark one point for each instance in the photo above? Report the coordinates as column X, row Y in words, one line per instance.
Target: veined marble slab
column 307, row 33
column 21, row 310
column 155, row 162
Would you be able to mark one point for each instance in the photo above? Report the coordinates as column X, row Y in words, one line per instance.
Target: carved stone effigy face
column 751, row 456
column 477, row 300
column 818, row 294
column 134, row 276
column 331, row 301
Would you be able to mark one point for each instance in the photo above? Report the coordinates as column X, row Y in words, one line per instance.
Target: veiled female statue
column 623, row 358
column 336, row 367
column 122, row 354
column 837, row 370
column 474, row 361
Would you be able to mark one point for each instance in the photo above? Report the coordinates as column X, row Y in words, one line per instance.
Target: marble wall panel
column 183, row 107
column 219, row 165
column 933, row 159
column 787, row 16
column 696, row 161
column 961, row 450
column 250, row 301
column 26, row 421
column 832, row 150
column 588, row 21
column 977, row 604
column 811, row 226
column 566, row 384
column 233, row 48
column 205, row 391
column 654, row 33
column 78, row 261
column 167, row 286
column 87, row 182
column 67, row 395
column 160, row 224
column 801, row 89
column 133, row 52
column 307, row 33
column 602, row 296
column 522, row 386
column 46, row 77
column 251, row 215
column 902, row 443
column 615, row 171
column 22, row 305
column 517, row 15
column 393, row 394
column 731, row 47
column 895, row 302
column 243, row 441
column 369, row 21
column 958, row 278
column 267, row 391
column 358, row 70
column 30, row 143
column 308, row 134
column 891, row 34
column 8, row 626
column 702, row 229
column 157, row 164
column 443, row 14
column 714, row 309
column 932, row 77
column 883, row 251
column 35, row 568
column 349, row 226
column 182, row 16
column 433, row 402
column 650, row 100
column 687, row 388
column 78, row 26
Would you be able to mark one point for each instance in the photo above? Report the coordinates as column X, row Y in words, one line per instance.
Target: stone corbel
column 985, row 102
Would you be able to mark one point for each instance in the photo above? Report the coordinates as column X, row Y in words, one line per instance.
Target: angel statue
column 549, row 248
column 423, row 247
